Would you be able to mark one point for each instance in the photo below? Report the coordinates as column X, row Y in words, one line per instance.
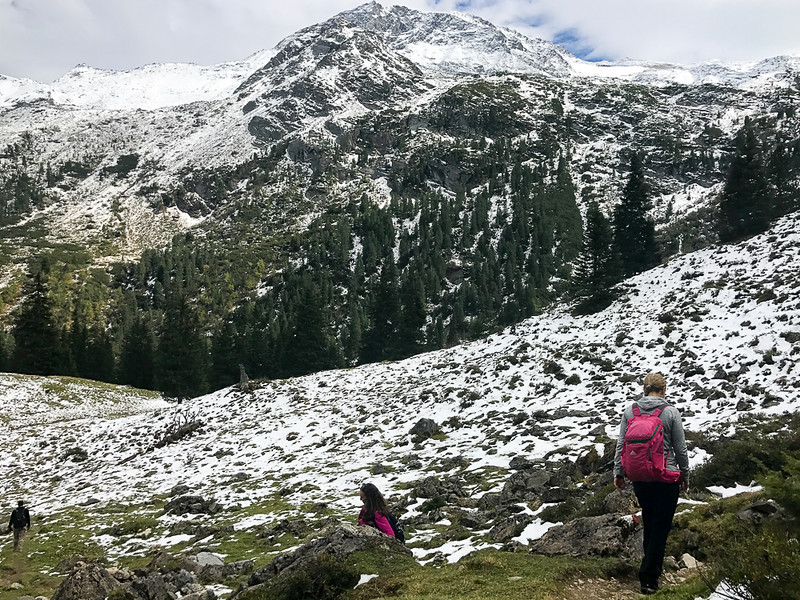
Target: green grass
column 486, row 574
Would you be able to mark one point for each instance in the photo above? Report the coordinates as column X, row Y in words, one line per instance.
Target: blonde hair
column 654, row 382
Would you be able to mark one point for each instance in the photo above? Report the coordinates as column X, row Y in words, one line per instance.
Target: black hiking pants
column 658, row 501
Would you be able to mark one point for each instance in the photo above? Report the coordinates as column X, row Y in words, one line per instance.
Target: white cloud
column 43, row 39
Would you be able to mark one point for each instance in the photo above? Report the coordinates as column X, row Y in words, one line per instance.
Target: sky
column 44, row 39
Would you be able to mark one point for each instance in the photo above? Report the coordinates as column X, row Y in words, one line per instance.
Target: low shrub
column 323, row 578
column 758, row 447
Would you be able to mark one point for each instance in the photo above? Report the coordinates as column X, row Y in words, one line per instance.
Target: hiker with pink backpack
column 651, row 452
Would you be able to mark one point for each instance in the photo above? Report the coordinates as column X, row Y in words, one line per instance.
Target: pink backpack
column 643, row 457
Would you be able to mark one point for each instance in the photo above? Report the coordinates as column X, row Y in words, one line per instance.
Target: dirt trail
column 615, row 589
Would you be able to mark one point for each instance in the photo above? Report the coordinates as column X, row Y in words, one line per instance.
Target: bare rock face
column 87, row 582
column 606, row 535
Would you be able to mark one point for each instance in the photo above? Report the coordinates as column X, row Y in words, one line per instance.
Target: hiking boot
column 647, row 590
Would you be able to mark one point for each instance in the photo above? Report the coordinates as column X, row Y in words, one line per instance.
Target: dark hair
column 21, row 503
column 373, row 500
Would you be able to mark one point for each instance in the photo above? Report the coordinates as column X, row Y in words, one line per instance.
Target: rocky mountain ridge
column 363, row 84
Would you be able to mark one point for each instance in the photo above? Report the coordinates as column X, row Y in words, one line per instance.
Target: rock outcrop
column 606, row 535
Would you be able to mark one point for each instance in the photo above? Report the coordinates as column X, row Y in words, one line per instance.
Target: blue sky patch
column 572, row 41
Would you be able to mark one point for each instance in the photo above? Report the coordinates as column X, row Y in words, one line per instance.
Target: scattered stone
column 433, row 487
column 489, row 501
column 206, row 559
column 76, row 455
column 70, row 564
column 336, row 543
column 755, row 513
column 620, row 501
column 180, row 490
column 510, row 528
column 670, row 564
column 192, row 505
column 153, row 586
column 690, row 562
column 520, row 463
column 425, row 428
column 525, row 485
column 120, row 574
column 297, row 527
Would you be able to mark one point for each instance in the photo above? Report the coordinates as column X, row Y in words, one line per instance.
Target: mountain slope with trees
column 331, row 212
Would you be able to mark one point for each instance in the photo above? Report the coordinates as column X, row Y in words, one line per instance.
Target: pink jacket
column 380, row 522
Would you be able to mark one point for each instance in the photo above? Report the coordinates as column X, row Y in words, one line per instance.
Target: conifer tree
column 310, row 345
column 5, row 352
column 634, row 231
column 567, row 223
column 182, row 357
column 225, row 357
column 100, row 357
column 36, row 349
column 598, row 267
column 380, row 341
column 744, row 207
column 413, row 312
column 137, row 354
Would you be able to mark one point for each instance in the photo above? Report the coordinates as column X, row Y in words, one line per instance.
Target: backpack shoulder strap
column 636, row 411
column 657, row 412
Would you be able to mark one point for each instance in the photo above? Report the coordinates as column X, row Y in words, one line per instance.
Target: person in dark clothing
column 20, row 522
column 658, row 499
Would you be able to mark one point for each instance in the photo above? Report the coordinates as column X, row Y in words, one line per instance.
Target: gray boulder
column 620, row 501
column 86, row 582
column 510, row 528
column 520, row 463
column 755, row 513
column 606, row 535
column 192, row 505
column 209, row 568
column 525, row 485
column 153, row 586
column 425, row 428
column 449, row 490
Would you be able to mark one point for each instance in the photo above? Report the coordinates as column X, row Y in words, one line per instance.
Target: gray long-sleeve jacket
column 674, row 438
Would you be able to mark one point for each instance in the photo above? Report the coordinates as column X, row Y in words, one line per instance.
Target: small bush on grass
column 784, row 487
column 323, row 578
column 761, row 564
column 755, row 449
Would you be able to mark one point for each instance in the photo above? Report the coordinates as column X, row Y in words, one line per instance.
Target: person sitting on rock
column 374, row 511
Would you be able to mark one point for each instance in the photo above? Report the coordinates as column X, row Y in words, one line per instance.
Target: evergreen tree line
column 762, row 184
column 365, row 283
column 368, row 283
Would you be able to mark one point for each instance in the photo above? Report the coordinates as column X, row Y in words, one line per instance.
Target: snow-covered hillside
column 723, row 324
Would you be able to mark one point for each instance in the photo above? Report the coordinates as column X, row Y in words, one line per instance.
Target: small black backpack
column 399, row 534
